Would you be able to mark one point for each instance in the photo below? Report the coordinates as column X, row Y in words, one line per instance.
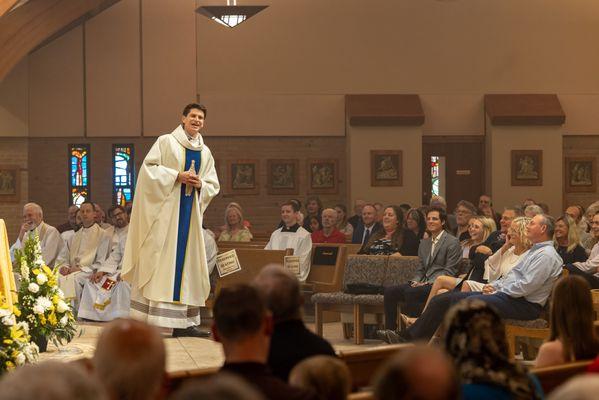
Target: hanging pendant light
column 230, row 15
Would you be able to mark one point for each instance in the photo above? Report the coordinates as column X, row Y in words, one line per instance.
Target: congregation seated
column 130, row 360
column 71, row 223
column 243, row 325
column 33, row 223
column 292, row 236
column 105, row 295
column 475, row 339
column 497, row 238
column 326, row 375
column 521, row 294
column 367, row 225
column 85, row 251
column 567, row 241
column 354, row 220
column 234, row 229
column 589, row 269
column 421, row 372
column 313, row 212
column 415, row 222
column 577, row 213
column 485, row 208
column 439, row 255
column 479, row 229
column 342, row 222
column 219, row 387
column 393, row 239
column 69, row 233
column 291, row 341
column 572, row 336
column 100, row 217
column 51, row 380
column 463, row 212
column 532, row 210
column 328, row 232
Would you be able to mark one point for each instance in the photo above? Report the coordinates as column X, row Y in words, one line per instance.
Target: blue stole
column 185, row 206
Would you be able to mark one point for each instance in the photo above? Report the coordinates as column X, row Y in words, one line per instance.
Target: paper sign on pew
column 292, row 263
column 227, row 263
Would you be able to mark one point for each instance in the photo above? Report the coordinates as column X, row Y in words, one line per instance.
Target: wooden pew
column 361, row 396
column 552, row 377
column 251, row 261
column 363, row 364
column 328, row 264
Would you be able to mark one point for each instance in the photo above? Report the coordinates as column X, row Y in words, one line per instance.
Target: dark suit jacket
column 359, row 232
column 444, row 261
column 292, row 342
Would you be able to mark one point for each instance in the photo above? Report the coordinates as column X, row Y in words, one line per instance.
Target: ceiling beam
column 6, row 6
column 32, row 24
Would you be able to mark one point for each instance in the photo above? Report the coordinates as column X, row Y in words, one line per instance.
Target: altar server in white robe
column 82, row 255
column 50, row 240
column 165, row 257
column 105, row 296
column 120, row 219
column 292, row 236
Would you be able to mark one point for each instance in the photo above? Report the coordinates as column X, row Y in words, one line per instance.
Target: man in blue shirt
column 521, row 294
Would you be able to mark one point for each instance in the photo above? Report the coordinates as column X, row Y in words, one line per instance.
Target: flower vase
column 41, row 341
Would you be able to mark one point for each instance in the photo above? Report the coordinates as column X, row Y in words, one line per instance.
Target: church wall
column 57, row 87
column 504, row 139
column 49, row 186
column 113, row 71
column 14, row 102
column 581, row 146
column 364, row 139
column 13, row 153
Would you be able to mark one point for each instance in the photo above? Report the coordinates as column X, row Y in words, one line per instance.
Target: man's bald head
column 130, row 359
column 281, row 289
column 421, row 372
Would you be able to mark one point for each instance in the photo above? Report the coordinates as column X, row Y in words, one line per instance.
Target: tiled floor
column 183, row 353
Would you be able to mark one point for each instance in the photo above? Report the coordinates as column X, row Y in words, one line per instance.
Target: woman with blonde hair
column 572, row 336
column 567, row 241
column 479, row 228
column 503, row 260
column 234, row 229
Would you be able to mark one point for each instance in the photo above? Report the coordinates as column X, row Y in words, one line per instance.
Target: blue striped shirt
column 533, row 277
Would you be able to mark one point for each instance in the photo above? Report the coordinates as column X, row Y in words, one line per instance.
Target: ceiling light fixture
column 230, row 15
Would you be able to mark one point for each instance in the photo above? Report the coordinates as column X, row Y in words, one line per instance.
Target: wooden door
column 464, row 162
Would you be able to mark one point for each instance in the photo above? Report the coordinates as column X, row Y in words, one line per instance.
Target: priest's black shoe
column 192, row 331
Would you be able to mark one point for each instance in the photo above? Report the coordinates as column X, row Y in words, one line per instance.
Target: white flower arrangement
column 43, row 308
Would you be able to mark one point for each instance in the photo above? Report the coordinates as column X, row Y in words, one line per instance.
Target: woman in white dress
column 506, row 258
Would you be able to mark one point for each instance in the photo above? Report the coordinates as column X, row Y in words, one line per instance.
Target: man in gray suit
column 439, row 255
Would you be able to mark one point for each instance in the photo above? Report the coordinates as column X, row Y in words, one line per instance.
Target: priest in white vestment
column 50, row 240
column 105, row 296
column 82, row 254
column 292, row 236
column 165, row 257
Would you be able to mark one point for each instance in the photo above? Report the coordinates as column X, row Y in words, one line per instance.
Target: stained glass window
column 435, row 176
column 79, row 173
column 123, row 173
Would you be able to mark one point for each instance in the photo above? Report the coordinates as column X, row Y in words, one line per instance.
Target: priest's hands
column 66, row 270
column 488, row 289
column 189, row 178
column 97, row 276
